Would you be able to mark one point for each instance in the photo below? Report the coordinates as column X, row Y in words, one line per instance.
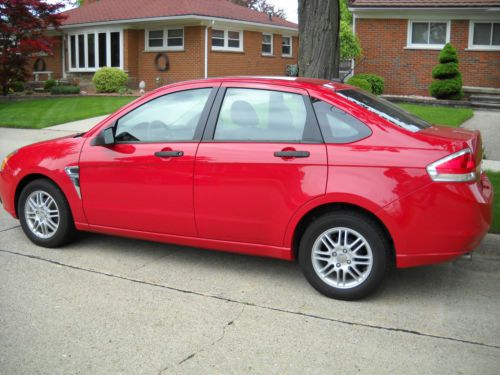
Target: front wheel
column 344, row 255
column 45, row 214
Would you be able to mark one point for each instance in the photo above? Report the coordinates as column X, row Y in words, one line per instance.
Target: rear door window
column 261, row 115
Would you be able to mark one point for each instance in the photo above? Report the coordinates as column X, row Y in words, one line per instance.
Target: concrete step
column 485, row 98
column 486, row 105
column 481, row 90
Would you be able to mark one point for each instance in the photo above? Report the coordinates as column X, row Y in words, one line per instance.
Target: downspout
column 353, row 61
column 206, row 51
column 63, row 54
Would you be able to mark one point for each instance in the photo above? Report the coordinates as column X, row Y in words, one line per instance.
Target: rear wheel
column 344, row 255
column 45, row 215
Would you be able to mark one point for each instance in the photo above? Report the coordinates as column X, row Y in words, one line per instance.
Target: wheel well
column 25, row 181
column 330, row 207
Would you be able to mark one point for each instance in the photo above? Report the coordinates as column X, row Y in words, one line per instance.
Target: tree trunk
column 319, row 50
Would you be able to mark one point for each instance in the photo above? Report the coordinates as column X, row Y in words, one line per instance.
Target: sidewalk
column 488, row 123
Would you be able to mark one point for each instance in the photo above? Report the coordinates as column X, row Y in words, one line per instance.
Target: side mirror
column 109, row 137
column 104, row 138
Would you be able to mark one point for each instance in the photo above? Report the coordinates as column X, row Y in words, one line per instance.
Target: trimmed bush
column 359, row 82
column 376, row 82
column 17, row 86
column 109, row 79
column 48, row 84
column 447, row 82
column 64, row 90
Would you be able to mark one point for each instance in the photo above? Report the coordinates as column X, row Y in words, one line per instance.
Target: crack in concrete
column 5, row 230
column 155, row 260
column 269, row 308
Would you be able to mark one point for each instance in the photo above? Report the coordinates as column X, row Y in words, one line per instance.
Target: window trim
column 272, row 44
column 226, row 47
column 481, row 47
column 165, row 46
column 291, row 46
column 96, row 33
column 410, row 45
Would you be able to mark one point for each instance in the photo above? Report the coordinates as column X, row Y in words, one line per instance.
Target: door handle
column 169, row 154
column 292, row 154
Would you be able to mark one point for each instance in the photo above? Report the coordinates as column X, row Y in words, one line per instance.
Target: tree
column 350, row 47
column 262, row 6
column 23, row 26
column 447, row 82
column 319, row 52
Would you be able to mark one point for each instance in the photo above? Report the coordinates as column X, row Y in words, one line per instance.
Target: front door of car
column 262, row 157
column 144, row 181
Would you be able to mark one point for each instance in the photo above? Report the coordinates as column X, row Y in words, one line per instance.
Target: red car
column 346, row 182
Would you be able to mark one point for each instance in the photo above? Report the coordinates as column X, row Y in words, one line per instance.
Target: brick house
column 167, row 41
column 401, row 40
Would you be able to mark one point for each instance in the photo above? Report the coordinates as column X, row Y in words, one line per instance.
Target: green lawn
column 495, row 180
column 448, row 116
column 40, row 113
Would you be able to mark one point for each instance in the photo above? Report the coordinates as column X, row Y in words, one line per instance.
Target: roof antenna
column 341, row 80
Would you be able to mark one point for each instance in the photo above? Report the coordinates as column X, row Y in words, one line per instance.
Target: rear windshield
column 385, row 109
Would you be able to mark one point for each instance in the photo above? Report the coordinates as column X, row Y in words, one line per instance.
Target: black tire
column 65, row 232
column 372, row 276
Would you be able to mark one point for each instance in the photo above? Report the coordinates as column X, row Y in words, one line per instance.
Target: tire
column 45, row 215
column 325, row 260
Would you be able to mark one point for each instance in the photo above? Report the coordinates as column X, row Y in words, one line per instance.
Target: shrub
column 447, row 82
column 359, row 82
column 64, row 90
column 109, row 79
column 17, row 86
column 48, row 84
column 376, row 82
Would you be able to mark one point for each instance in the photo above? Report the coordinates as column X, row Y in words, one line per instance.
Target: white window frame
column 272, row 44
column 96, row 33
column 480, row 47
column 226, row 40
column 291, row 46
column 411, row 45
column 165, row 46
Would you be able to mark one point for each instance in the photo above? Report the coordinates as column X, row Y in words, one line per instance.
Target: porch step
column 481, row 90
column 485, row 98
column 485, row 105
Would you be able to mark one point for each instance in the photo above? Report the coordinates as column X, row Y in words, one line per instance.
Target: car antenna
column 341, row 80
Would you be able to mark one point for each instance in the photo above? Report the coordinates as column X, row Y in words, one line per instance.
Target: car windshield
column 385, row 109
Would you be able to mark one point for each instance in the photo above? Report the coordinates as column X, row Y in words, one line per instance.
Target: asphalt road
column 108, row 305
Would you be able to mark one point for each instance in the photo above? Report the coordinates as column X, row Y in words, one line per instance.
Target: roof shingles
column 115, row 10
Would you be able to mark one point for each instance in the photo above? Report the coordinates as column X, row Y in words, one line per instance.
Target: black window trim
column 311, row 125
column 198, row 133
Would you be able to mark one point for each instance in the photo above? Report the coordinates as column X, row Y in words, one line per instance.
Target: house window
column 286, row 46
column 165, row 40
column 90, row 50
column 227, row 40
column 428, row 35
column 484, row 35
column 267, row 44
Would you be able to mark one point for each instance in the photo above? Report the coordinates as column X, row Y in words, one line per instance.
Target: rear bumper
column 446, row 220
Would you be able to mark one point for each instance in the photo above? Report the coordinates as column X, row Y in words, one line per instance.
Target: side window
column 169, row 118
column 338, row 126
column 261, row 115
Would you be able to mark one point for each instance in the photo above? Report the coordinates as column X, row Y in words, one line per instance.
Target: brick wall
column 53, row 61
column 251, row 61
column 408, row 71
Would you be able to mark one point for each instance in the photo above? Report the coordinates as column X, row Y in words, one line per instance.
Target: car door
column 262, row 157
column 144, row 181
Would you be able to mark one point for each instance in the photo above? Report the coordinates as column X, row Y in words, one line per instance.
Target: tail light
column 457, row 167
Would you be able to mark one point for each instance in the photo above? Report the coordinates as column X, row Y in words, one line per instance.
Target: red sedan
column 346, row 182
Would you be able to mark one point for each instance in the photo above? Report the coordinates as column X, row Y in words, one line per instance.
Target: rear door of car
column 261, row 158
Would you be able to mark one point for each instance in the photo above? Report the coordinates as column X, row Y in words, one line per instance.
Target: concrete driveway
column 110, row 305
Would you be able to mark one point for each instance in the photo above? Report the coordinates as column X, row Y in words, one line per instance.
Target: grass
column 40, row 113
column 448, row 116
column 495, row 180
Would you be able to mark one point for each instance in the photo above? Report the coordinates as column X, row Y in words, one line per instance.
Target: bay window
column 90, row 50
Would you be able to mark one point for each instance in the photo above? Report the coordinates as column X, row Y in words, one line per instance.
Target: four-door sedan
column 347, row 183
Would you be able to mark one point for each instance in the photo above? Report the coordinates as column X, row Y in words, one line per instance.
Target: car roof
column 295, row 82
